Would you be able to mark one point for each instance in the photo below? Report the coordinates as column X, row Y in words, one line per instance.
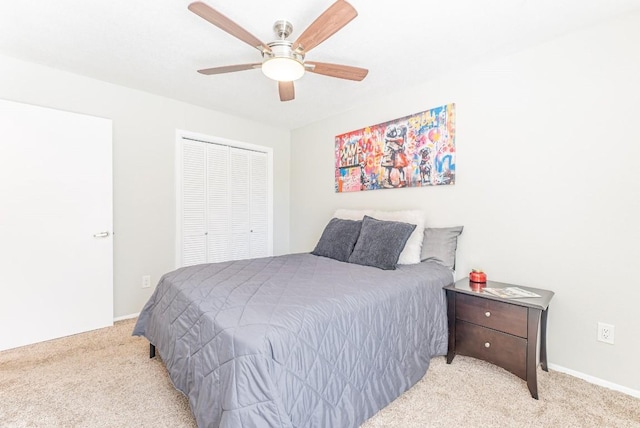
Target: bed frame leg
column 152, row 350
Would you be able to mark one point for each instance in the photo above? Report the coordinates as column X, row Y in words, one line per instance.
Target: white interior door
column 56, row 218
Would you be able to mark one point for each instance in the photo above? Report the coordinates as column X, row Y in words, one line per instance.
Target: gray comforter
column 296, row 340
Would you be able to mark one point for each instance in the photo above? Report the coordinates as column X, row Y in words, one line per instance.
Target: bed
column 298, row 340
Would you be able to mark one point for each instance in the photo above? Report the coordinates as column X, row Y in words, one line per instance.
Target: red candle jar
column 477, row 275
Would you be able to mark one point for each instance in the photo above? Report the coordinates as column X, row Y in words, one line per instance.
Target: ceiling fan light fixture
column 282, row 63
column 283, row 69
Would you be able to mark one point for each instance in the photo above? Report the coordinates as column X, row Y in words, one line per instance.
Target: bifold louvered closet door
column 224, row 203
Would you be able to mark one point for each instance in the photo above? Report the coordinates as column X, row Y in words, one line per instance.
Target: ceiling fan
column 283, row 60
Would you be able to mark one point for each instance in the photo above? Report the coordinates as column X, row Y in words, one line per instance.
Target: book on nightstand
column 511, row 292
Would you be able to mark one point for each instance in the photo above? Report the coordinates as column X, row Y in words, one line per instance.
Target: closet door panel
column 259, row 205
column 218, row 206
column 240, row 203
column 194, row 244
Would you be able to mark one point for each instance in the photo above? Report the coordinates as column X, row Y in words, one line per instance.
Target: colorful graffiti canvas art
column 413, row 151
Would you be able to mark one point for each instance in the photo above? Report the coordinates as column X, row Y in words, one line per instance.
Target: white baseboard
column 128, row 317
column 596, row 381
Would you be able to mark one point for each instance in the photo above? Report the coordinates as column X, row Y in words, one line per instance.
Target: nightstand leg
column 451, row 323
column 532, row 346
column 543, row 340
column 152, row 350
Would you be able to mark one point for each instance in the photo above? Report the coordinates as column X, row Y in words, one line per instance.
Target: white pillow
column 411, row 252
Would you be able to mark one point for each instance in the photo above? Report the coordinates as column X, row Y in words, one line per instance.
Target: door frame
column 208, row 139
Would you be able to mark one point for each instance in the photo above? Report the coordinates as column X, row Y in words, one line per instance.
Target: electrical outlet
column 606, row 332
column 146, row 281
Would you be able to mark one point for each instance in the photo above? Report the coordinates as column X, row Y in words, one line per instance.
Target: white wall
column 547, row 185
column 144, row 133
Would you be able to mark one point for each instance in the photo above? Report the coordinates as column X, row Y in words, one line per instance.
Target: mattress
column 296, row 340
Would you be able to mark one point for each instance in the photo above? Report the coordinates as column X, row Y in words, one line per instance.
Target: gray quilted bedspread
column 296, row 340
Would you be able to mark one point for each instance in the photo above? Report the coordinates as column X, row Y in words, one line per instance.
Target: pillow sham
column 411, row 251
column 338, row 239
column 380, row 243
column 439, row 245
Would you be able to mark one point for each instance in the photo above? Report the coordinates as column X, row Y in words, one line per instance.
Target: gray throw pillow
column 338, row 239
column 439, row 245
column 380, row 243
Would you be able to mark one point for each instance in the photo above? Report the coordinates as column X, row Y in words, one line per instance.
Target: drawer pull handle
column 487, row 345
column 487, row 314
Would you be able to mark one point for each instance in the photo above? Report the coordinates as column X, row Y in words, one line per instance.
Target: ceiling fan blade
column 337, row 16
column 337, row 70
column 219, row 20
column 229, row 68
column 287, row 92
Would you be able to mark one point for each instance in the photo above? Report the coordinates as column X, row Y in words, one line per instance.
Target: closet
column 224, row 201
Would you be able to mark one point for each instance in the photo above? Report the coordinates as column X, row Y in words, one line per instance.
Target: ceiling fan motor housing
column 282, row 48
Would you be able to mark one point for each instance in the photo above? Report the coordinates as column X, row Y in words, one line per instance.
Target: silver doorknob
column 487, row 345
column 101, row 235
column 487, row 314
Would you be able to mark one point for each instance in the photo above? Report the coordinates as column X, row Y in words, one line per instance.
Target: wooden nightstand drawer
column 493, row 314
column 504, row 350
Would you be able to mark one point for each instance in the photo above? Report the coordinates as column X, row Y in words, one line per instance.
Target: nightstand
column 501, row 331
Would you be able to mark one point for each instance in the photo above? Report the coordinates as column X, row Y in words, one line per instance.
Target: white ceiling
column 157, row 45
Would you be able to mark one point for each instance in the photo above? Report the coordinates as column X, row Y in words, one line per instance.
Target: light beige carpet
column 106, row 379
